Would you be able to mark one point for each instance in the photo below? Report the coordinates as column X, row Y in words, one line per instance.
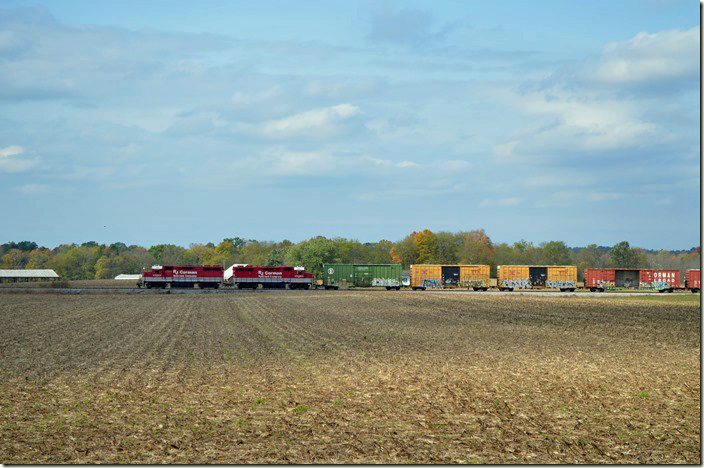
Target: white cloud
column 281, row 162
column 11, row 151
column 497, row 202
column 400, row 194
column 576, row 122
column 33, row 188
column 578, row 197
column 558, row 179
column 665, row 55
column 8, row 163
column 244, row 99
column 317, row 121
column 17, row 165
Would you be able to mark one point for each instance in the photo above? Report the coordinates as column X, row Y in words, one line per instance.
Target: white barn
column 126, row 276
column 19, row 276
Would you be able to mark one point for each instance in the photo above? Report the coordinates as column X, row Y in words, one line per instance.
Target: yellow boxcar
column 561, row 277
column 450, row 276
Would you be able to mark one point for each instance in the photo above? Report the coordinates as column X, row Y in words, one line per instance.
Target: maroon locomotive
column 188, row 276
column 251, row 277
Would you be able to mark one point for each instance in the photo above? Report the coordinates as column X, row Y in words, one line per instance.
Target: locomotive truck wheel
column 397, row 288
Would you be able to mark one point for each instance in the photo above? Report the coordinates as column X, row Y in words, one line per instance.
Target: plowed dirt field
column 348, row 377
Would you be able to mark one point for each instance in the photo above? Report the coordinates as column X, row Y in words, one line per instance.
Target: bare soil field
column 106, row 283
column 348, row 377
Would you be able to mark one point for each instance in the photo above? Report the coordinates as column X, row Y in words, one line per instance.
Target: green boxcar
column 346, row 275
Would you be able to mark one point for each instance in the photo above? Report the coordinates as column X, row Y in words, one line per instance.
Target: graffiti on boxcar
column 431, row 283
column 656, row 285
column 474, row 284
column 518, row 284
column 385, row 282
column 561, row 284
column 607, row 285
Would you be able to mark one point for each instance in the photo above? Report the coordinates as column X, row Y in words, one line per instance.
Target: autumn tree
column 477, row 249
column 426, row 246
column 406, row 250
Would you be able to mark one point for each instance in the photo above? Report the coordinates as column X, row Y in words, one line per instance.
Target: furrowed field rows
column 347, row 377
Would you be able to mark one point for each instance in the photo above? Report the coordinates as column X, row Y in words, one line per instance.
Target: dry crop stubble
column 347, row 377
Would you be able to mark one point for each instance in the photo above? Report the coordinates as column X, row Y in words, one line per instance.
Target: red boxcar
column 599, row 279
column 270, row 277
column 692, row 280
column 187, row 276
column 660, row 280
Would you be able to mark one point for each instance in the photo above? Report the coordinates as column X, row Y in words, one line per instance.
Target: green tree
column 477, row 249
column 256, row 253
column 312, row 253
column 447, row 248
column 525, row 253
column 169, row 254
column 622, row 256
column 380, row 252
column 276, row 257
column 555, row 253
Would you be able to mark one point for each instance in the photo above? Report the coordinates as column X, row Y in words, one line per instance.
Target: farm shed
column 125, row 276
column 17, row 276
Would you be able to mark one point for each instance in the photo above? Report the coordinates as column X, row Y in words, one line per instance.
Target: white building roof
column 28, row 274
column 125, row 276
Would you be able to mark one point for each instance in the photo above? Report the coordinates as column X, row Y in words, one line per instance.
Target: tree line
column 92, row 260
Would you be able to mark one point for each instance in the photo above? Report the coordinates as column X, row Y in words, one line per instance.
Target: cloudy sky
column 181, row 121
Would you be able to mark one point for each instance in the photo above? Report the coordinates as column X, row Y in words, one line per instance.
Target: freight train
column 423, row 277
column 239, row 276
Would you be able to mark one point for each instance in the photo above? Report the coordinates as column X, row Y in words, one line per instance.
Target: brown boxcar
column 692, row 280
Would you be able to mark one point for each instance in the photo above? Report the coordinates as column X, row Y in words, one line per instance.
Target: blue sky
column 181, row 122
